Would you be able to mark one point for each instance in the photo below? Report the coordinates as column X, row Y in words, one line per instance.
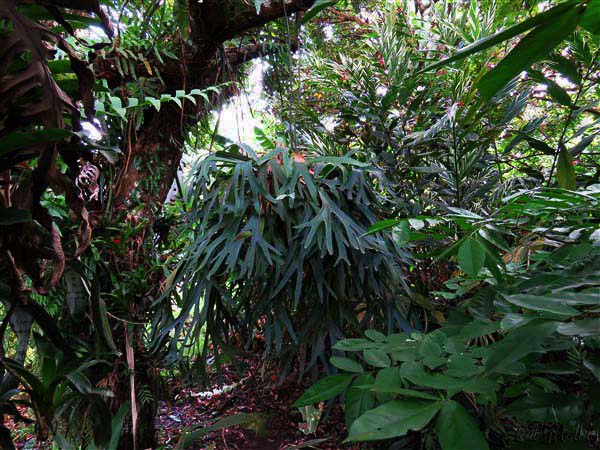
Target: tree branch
column 212, row 23
column 215, row 21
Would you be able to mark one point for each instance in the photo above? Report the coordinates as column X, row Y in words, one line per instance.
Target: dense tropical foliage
column 411, row 232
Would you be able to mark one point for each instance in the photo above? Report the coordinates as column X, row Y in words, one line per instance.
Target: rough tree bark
column 212, row 23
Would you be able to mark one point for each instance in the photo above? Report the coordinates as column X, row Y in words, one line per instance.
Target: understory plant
column 279, row 246
column 511, row 356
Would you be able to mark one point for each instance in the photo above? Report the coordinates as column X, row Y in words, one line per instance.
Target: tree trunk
column 159, row 144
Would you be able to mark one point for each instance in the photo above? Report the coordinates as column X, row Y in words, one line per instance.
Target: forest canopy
column 299, row 224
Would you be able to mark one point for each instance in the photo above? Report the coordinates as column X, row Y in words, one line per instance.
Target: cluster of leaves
column 429, row 126
column 519, row 345
column 279, row 241
column 522, row 352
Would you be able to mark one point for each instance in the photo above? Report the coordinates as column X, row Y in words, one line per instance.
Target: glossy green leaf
column 456, row 429
column 316, row 8
column 376, row 358
column 590, row 19
column 393, row 419
column 471, row 256
column 501, row 36
column 388, row 384
column 548, row 304
column 346, row 364
column 359, row 398
column 519, row 343
column 584, row 328
column 418, row 375
column 533, row 47
column 565, row 172
column 324, row 389
column 354, row 345
column 375, row 335
column 388, row 378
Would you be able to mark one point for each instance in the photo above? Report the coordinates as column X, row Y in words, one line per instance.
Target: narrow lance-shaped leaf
column 565, row 173
column 504, row 35
column 316, row 8
column 590, row 19
column 533, row 47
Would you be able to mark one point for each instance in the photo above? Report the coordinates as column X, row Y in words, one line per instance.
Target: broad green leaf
column 552, row 305
column 565, row 172
column 11, row 216
column 388, row 378
column 375, row 335
column 347, row 364
column 393, row 419
column 533, row 47
column 501, row 36
column 354, row 345
column 519, row 343
column 471, row 256
column 431, row 344
column 433, row 362
column 388, row 384
column 477, row 328
column 416, row 374
column 584, row 328
column 555, row 91
column 512, row 320
column 456, row 429
column 462, row 366
column 376, row 358
column 547, row 407
column 565, row 66
column 316, row 8
column 411, row 393
column 324, row 389
column 19, row 140
column 359, row 398
column 590, row 19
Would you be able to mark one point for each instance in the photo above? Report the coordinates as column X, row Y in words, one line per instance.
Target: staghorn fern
column 280, row 242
